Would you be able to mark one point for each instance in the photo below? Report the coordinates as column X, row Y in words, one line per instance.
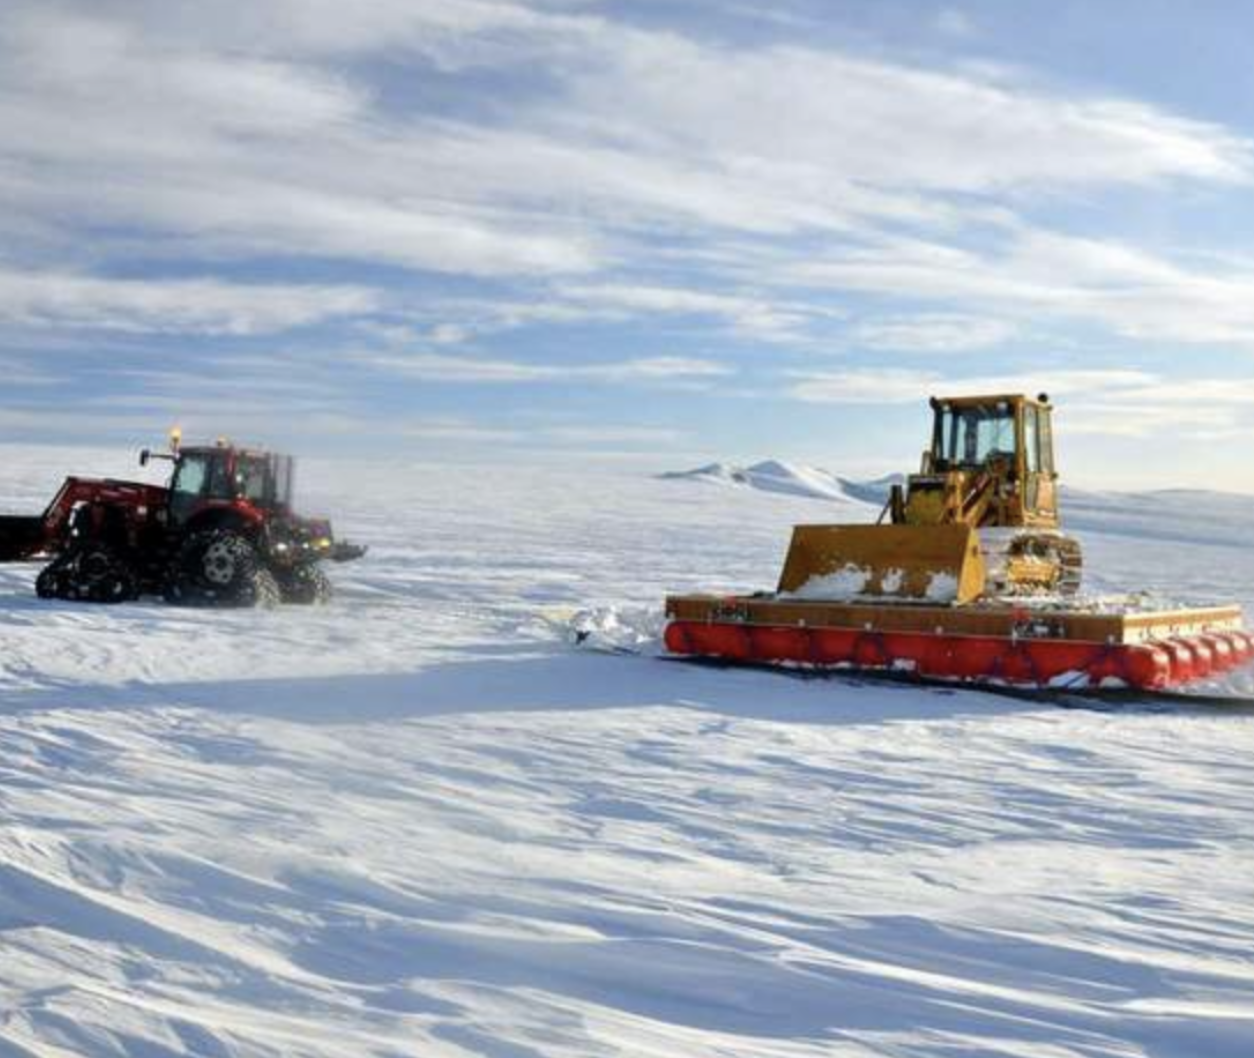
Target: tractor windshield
column 198, row 475
column 972, row 436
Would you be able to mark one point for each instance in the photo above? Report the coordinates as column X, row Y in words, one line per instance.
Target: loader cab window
column 1031, row 439
column 1046, row 432
column 971, row 437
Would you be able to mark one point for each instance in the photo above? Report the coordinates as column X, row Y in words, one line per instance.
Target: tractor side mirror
column 144, row 456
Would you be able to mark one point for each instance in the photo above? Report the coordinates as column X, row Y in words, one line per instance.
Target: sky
column 650, row 233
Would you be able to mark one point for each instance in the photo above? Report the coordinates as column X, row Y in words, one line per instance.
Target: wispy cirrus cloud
column 439, row 367
column 1095, row 401
column 187, row 306
column 931, row 333
column 264, row 146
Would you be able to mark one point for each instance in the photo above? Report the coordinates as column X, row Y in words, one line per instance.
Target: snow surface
column 419, row 822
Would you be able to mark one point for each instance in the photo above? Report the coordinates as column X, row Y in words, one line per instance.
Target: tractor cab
column 255, row 485
column 222, row 476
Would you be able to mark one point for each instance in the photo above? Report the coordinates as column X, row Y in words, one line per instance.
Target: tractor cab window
column 283, row 475
column 199, row 475
column 971, row 437
column 252, row 479
column 190, row 477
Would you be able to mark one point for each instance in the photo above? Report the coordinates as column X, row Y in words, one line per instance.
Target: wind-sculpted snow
column 419, row 822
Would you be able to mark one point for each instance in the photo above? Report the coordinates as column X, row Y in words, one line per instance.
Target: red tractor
column 222, row 533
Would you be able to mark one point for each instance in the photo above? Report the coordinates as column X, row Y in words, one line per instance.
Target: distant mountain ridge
column 792, row 479
column 1185, row 515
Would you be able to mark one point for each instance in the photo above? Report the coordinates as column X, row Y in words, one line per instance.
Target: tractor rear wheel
column 219, row 567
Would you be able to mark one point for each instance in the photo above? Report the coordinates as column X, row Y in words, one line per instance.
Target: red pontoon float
column 1006, row 644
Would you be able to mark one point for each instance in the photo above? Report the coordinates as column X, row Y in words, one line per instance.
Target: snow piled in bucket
column 850, row 583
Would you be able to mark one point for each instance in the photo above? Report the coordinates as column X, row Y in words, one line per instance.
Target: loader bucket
column 930, row 563
column 20, row 537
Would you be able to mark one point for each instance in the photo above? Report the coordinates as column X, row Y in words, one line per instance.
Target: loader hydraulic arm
column 75, row 492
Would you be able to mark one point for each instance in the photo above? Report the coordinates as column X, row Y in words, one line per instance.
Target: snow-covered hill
column 418, row 822
column 792, row 479
column 1184, row 515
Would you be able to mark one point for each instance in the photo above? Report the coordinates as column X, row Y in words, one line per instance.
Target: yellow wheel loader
column 966, row 577
column 979, row 520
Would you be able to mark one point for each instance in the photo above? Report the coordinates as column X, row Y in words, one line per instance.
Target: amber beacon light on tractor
column 966, row 576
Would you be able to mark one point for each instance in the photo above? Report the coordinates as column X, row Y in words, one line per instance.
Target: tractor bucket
column 928, row 563
column 20, row 537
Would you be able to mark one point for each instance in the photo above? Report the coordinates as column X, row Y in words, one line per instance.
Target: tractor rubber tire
column 307, row 586
column 219, row 567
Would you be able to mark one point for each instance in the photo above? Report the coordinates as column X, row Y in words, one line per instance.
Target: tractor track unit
column 222, row 532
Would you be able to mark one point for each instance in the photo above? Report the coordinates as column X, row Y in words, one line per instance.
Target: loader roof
column 993, row 398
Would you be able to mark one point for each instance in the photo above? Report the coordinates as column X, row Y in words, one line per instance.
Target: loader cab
column 251, row 483
column 1010, row 436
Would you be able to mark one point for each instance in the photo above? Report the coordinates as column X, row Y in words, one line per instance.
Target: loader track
column 1058, row 553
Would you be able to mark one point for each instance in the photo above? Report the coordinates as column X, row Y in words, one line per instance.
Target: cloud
column 230, row 125
column 538, row 435
column 490, row 165
column 822, row 122
column 1039, row 275
column 752, row 316
column 1106, row 402
column 195, row 306
column 897, row 386
column 450, row 31
column 438, row 367
column 931, row 333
